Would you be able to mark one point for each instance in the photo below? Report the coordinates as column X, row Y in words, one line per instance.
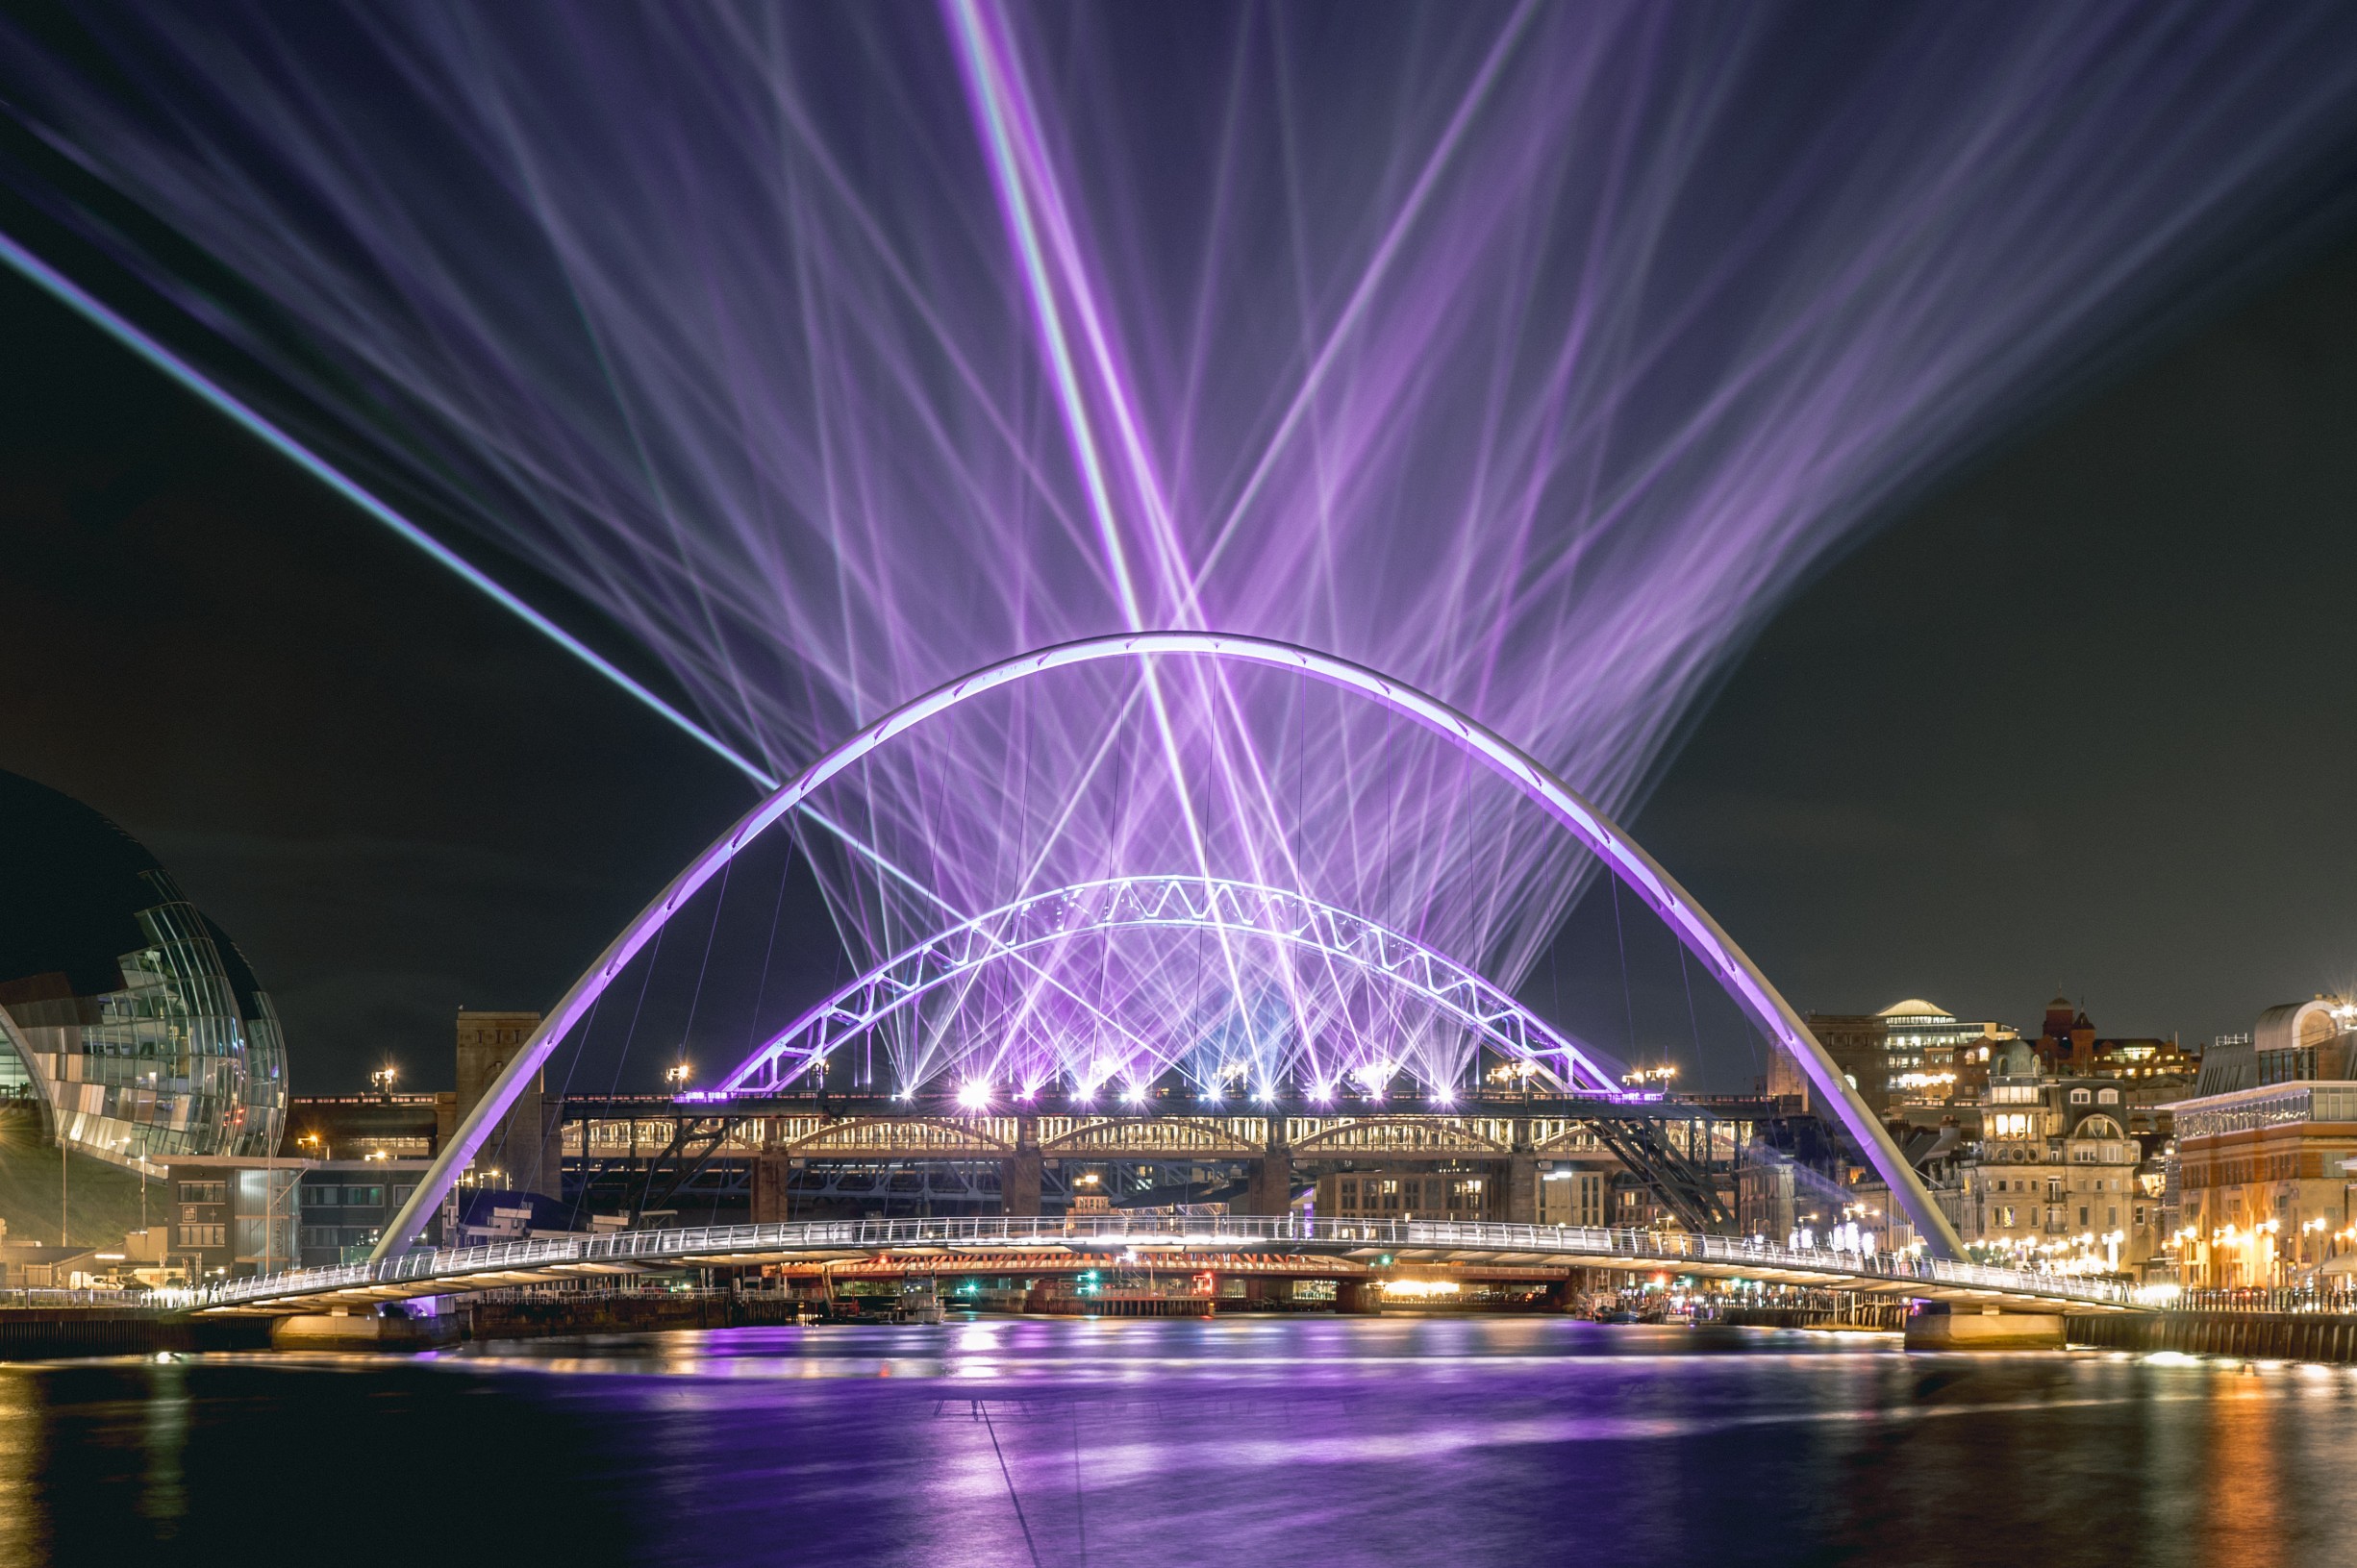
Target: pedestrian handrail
column 458, row 1263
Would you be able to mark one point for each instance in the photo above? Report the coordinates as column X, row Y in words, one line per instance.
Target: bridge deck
column 933, row 1246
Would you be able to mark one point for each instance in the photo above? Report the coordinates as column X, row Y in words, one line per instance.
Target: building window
column 204, row 1192
column 2079, row 1097
column 204, row 1235
column 2108, row 1097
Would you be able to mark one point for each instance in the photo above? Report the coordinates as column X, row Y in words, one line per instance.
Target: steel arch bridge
column 1721, row 958
column 1031, row 1244
column 1167, row 902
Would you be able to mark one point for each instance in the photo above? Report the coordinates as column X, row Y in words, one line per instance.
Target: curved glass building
column 131, row 1018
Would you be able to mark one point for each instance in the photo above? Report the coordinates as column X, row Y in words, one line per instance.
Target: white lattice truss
column 1178, row 902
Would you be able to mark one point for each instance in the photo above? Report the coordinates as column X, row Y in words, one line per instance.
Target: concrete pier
column 1985, row 1331
column 364, row 1331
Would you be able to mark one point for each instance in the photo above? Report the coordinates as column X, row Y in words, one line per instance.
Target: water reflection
column 1143, row 1442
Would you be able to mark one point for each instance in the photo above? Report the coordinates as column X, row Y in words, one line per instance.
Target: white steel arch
column 1701, row 936
column 1177, row 902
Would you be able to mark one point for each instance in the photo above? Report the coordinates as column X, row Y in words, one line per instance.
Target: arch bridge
column 1620, row 856
column 1018, row 1245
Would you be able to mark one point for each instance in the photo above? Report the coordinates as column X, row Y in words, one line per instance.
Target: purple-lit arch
column 1701, row 936
column 1178, row 902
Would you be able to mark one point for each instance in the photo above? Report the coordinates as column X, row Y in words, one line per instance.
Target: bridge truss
column 1179, row 902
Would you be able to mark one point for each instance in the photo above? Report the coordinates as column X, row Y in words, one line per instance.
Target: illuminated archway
column 1170, row 902
column 1620, row 854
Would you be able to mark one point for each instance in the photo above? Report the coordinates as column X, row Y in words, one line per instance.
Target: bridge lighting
column 974, row 1095
column 677, row 1074
column 1443, row 1094
column 1135, row 1094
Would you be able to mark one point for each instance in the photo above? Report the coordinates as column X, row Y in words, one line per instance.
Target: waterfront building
column 127, row 1017
column 1411, row 1193
column 342, row 1206
column 232, row 1215
column 2263, row 1153
column 2055, row 1173
column 235, row 1215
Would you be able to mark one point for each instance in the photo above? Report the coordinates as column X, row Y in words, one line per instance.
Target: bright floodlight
column 974, row 1095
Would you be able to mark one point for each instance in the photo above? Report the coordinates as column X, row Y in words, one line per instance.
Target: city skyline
column 1168, row 783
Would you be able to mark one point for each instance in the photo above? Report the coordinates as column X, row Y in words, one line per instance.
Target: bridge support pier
column 1357, row 1298
column 1986, row 1330
column 1271, row 1191
column 1018, row 1182
column 771, row 1205
column 1521, row 1188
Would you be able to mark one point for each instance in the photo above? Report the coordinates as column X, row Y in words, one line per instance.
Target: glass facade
column 131, row 1017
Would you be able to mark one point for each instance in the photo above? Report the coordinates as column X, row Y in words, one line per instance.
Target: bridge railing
column 458, row 1263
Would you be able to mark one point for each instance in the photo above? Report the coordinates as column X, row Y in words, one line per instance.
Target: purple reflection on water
column 1240, row 1440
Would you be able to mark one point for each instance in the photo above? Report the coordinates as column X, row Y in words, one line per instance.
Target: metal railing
column 1572, row 1243
column 2338, row 1301
column 81, row 1296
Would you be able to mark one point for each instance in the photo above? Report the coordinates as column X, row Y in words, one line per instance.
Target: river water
column 1267, row 1442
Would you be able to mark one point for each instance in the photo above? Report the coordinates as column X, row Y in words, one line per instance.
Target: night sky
column 2077, row 719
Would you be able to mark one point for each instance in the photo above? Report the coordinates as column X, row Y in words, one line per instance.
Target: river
column 1260, row 1441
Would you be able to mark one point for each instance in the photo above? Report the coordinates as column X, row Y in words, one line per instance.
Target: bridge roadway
column 942, row 1246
